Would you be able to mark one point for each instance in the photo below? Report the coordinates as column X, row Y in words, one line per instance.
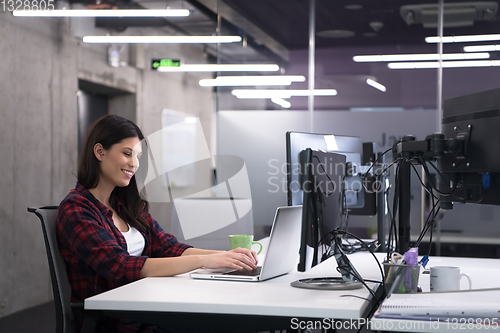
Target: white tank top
column 135, row 241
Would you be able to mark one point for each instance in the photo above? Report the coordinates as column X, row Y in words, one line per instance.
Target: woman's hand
column 238, row 258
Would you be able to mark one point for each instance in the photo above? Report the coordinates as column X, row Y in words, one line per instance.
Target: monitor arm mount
column 408, row 150
column 344, row 266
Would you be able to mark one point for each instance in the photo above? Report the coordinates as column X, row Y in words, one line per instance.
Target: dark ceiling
column 288, row 22
column 278, row 26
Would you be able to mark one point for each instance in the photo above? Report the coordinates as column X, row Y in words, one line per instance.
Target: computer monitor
column 358, row 201
column 321, row 181
column 471, row 167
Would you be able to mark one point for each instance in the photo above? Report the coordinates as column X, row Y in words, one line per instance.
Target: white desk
column 484, row 273
column 162, row 300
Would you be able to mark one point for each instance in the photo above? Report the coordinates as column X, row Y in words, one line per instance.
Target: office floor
column 39, row 319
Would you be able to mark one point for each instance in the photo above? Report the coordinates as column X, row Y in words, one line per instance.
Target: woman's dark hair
column 108, row 131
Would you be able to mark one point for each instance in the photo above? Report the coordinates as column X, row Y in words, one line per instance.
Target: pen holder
column 401, row 279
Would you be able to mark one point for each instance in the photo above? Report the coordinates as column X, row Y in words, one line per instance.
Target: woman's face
column 120, row 162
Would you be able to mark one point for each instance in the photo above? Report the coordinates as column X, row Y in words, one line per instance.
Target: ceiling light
column 222, row 68
column 418, row 57
column 103, row 13
column 281, row 102
column 462, row 39
column 275, row 93
column 377, row 109
column 446, row 64
column 271, row 80
column 376, row 85
column 161, row 39
column 481, row 48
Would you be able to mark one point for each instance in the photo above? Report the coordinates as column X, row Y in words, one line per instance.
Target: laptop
column 282, row 252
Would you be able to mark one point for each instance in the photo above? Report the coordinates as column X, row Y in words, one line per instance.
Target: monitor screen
column 350, row 146
column 358, row 201
column 321, row 181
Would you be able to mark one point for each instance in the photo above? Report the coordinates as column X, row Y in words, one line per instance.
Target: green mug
column 243, row 241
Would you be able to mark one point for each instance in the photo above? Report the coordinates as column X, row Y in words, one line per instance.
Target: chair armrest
column 77, row 305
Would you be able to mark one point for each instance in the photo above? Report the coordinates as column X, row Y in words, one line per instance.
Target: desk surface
column 484, row 274
column 273, row 297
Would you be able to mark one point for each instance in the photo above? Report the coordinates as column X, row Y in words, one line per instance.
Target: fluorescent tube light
column 275, row 93
column 161, row 39
column 222, row 68
column 270, row 80
column 377, row 109
column 419, row 57
column 281, row 102
column 446, row 64
column 463, row 39
column 103, row 13
column 481, row 48
column 376, row 85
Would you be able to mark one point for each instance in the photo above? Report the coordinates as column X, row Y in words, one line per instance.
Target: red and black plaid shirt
column 95, row 251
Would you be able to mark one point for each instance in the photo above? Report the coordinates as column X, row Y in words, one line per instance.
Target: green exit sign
column 157, row 63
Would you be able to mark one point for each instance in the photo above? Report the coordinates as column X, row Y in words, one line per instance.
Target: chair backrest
column 59, row 277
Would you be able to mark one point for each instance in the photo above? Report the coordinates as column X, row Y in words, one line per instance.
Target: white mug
column 447, row 278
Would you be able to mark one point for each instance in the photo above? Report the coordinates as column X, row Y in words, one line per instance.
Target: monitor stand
column 327, row 283
column 350, row 277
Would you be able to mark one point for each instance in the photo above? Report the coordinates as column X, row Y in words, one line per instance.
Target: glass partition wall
column 377, row 73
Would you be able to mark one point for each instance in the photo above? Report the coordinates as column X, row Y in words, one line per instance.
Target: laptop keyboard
column 245, row 272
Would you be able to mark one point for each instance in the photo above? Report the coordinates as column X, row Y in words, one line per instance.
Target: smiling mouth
column 128, row 173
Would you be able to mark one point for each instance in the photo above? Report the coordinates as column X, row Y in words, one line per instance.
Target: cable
column 440, row 174
column 362, row 282
column 430, row 222
column 352, row 247
column 432, row 227
column 375, row 297
column 431, row 213
column 344, row 208
column 356, row 296
column 434, row 186
column 385, row 152
column 427, row 224
column 421, row 182
column 383, row 171
column 392, row 228
column 368, row 248
column 389, row 244
column 373, row 281
column 394, row 162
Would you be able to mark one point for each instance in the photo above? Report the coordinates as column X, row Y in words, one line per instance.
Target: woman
column 105, row 232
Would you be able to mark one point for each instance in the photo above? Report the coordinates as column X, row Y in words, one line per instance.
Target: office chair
column 65, row 322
